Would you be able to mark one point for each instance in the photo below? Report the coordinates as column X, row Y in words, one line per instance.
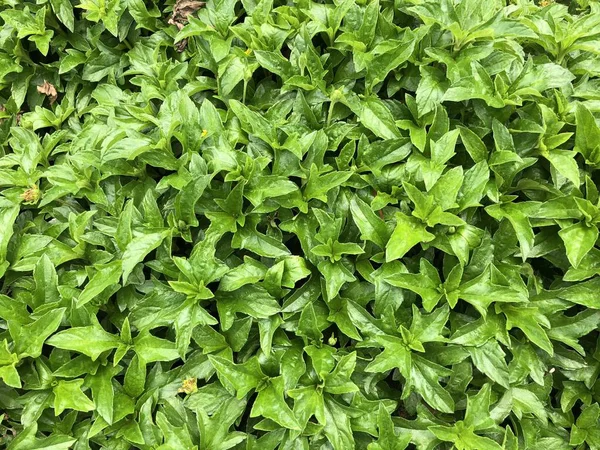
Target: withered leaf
column 181, row 10
column 31, row 195
column 49, row 90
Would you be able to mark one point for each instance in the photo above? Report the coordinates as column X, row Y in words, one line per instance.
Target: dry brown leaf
column 49, row 90
column 181, row 10
column 181, row 45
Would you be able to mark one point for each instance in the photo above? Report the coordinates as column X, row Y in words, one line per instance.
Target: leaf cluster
column 266, row 225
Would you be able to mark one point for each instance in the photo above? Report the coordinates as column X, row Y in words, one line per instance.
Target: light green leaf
column 91, row 340
column 137, row 250
column 409, row 232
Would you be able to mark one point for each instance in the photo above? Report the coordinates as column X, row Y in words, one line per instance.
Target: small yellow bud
column 332, row 340
column 31, row 195
column 204, row 133
column 189, row 386
column 336, row 95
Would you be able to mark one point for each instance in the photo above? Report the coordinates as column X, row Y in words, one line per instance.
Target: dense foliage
column 306, row 225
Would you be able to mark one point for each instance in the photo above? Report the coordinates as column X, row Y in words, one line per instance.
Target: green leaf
column 520, row 223
column 490, row 360
column 424, row 377
column 253, row 300
column 26, row 440
column 563, row 161
column 241, row 377
column 337, row 426
column 478, row 406
column 8, row 362
column 7, row 219
column 300, row 225
column 137, row 250
column 259, row 243
column 526, row 402
column 68, row 395
column 254, row 123
column 91, row 340
column 318, row 185
column 335, row 274
column 30, row 338
column 375, row 116
column 271, row 405
column 579, row 239
column 388, row 439
column 429, row 327
column 274, row 62
column 409, row 232
column 372, row 228
column 431, row 89
column 568, row 330
column 529, row 320
column 587, row 135
column 426, row 284
column 106, row 276
column 473, row 144
column 150, row 348
column 102, row 389
column 250, row 272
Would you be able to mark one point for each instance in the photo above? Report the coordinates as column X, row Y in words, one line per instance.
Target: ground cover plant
column 299, row 225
